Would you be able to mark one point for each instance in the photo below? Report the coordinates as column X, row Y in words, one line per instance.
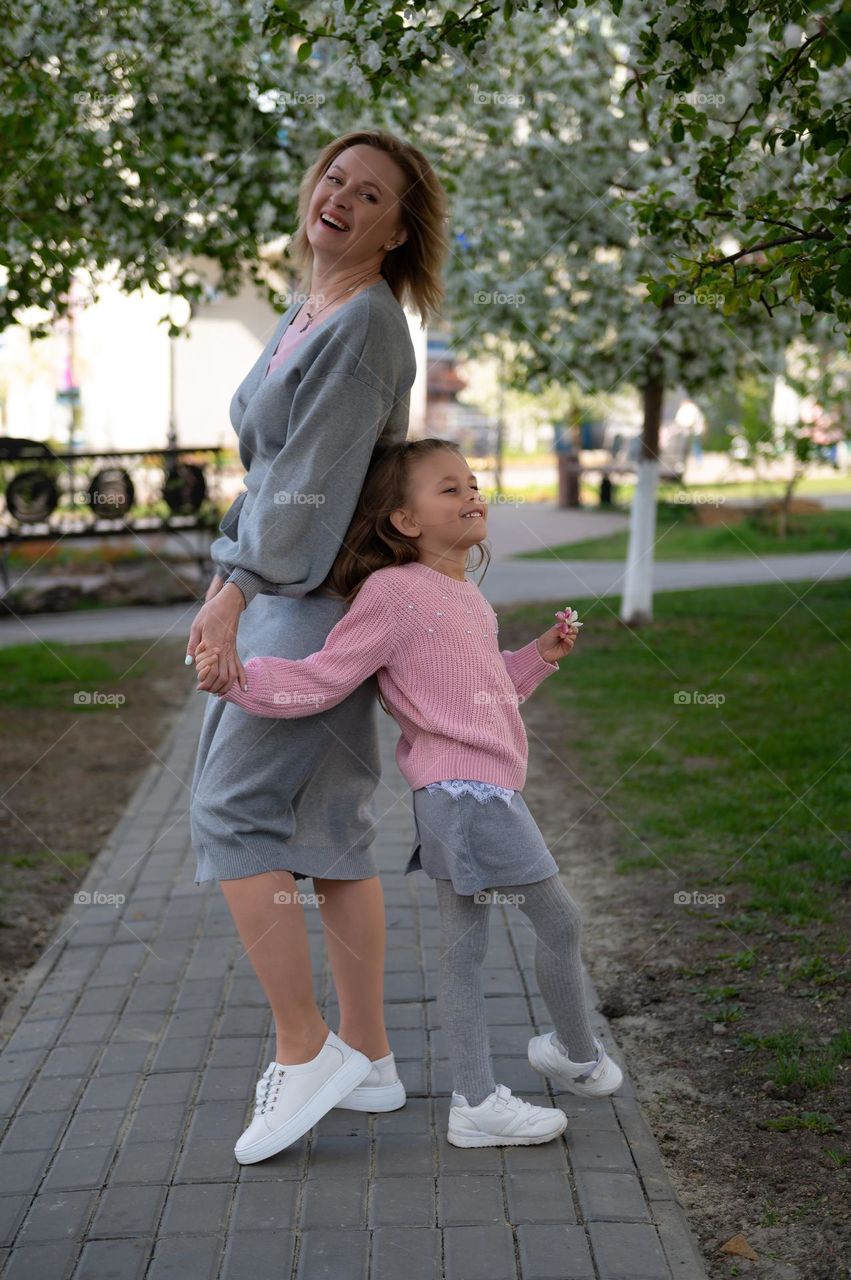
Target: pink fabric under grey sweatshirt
column 290, row 338
column 433, row 642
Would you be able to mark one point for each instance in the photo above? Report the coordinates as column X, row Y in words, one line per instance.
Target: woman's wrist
column 232, row 594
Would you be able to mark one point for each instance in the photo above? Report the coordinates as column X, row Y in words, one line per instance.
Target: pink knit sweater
column 433, row 642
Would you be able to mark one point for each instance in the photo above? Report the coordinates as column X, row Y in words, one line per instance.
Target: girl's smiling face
column 360, row 191
column 446, row 512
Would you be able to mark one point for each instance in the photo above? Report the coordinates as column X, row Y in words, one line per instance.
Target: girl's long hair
column 371, row 541
column 414, row 269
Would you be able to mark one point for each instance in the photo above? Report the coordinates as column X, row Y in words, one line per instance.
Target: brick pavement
column 129, row 1072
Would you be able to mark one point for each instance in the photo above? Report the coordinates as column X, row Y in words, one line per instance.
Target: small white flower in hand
column 569, row 620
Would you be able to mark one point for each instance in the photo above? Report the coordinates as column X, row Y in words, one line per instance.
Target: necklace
column 311, row 316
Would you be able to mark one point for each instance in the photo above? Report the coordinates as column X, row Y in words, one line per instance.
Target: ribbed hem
column 467, row 763
column 527, row 668
column 259, row 696
column 334, row 862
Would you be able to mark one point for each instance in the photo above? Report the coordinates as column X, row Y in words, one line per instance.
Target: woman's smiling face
column 360, row 190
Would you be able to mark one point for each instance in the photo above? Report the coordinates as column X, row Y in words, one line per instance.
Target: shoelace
column 263, row 1093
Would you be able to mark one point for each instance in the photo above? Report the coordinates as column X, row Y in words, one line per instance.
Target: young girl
column 431, row 636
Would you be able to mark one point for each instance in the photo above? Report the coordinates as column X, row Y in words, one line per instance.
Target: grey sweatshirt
column 306, row 435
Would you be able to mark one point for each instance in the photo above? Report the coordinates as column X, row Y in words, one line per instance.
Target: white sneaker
column 381, row 1090
column 588, row 1079
column 289, row 1100
column 502, row 1121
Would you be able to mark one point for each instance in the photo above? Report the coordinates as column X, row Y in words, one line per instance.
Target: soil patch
column 70, row 770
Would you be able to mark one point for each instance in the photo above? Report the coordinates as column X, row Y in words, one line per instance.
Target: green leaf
column 843, row 279
column 304, row 50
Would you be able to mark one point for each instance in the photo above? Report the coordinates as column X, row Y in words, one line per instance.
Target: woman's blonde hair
column 413, row 269
column 372, row 542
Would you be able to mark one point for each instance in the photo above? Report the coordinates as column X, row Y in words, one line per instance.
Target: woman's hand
column 560, row 639
column 216, row 625
column 215, row 586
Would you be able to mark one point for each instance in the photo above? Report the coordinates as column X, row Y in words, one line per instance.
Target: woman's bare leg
column 274, row 935
column 353, row 919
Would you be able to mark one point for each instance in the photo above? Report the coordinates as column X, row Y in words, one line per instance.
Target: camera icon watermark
column 702, row 298
column 693, row 697
column 86, row 698
column 491, row 697
column 700, row 499
column 302, row 99
column 695, row 99
column 84, row 98
column 289, row 699
column 294, row 497
column 487, row 298
column 506, row 500
column 485, row 97
column 284, row 897
column 694, row 898
column 83, row 898
column 500, row 899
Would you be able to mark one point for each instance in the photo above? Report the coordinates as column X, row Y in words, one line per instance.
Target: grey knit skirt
column 477, row 845
column 278, row 794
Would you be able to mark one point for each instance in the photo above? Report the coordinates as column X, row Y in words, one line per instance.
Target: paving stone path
column 130, row 1069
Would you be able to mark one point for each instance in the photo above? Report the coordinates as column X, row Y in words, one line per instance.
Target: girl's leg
column 354, row 923
column 557, row 919
column 275, row 939
column 464, row 943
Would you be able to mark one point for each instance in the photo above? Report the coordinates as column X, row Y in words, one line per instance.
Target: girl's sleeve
column 364, row 640
column 293, row 529
column 527, row 668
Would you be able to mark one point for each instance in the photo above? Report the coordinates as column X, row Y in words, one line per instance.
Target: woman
column 274, row 803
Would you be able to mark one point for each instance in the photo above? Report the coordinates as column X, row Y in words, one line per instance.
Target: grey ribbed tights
column 464, row 923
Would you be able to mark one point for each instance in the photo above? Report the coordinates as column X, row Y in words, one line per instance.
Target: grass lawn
column 720, row 735
column 679, row 537
column 731, row 999
column 718, row 789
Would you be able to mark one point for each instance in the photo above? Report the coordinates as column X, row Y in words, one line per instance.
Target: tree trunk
column 637, row 601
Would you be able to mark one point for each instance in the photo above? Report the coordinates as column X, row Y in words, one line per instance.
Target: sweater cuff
column 528, row 668
column 250, row 584
column 259, row 693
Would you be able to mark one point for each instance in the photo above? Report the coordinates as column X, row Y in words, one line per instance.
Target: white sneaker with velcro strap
column 502, row 1120
column 587, row 1079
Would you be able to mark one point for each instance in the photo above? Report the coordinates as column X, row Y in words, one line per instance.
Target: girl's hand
column 206, row 667
column 560, row 639
column 216, row 625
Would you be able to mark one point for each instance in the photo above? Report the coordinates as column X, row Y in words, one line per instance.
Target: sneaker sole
column 382, row 1097
column 566, row 1083
column 344, row 1079
column 498, row 1140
